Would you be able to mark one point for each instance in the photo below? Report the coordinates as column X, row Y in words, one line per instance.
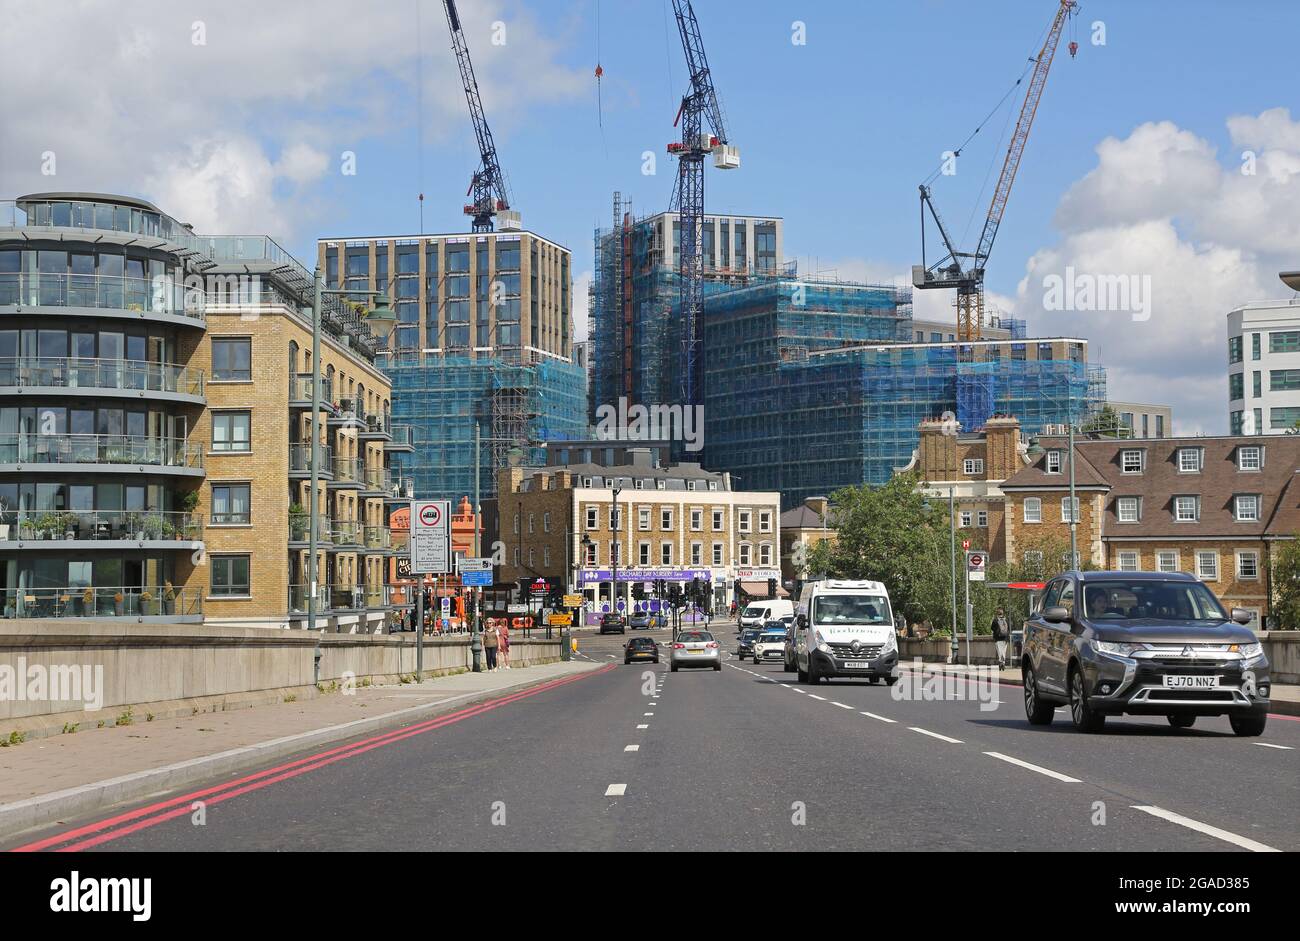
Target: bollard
column 566, row 645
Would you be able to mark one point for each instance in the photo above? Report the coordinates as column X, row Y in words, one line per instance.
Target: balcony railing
column 377, row 537
column 300, row 390
column 349, row 469
column 339, row 597
column 64, row 372
column 300, row 594
column 345, row 533
column 98, row 449
column 111, row 292
column 403, row 435
column 80, row 601
column 300, row 457
column 99, row 525
column 379, row 479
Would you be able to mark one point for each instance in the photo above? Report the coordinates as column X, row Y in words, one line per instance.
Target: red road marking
column 269, row 776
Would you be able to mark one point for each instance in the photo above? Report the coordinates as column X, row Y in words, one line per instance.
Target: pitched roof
column 1036, row 477
column 805, row 517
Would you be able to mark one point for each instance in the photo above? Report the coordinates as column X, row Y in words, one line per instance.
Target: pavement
column 635, row 757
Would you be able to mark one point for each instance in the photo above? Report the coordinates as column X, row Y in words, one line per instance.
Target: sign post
column 430, row 548
column 976, row 561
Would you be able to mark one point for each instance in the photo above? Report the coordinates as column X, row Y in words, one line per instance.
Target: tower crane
column 965, row 270
column 699, row 105
column 487, row 188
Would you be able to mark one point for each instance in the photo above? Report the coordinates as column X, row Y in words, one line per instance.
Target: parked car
column 611, row 623
column 758, row 613
column 639, row 621
column 745, row 645
column 695, row 649
column 641, row 648
column 788, row 650
column 1142, row 643
column 769, row 646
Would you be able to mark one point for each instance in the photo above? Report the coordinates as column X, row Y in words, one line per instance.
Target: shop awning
column 759, row 590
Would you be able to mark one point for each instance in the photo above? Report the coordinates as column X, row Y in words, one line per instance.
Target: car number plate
column 1185, row 681
column 689, row 650
column 857, row 665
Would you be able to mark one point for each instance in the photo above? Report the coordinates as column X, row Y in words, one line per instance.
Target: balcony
column 378, row 480
column 300, row 461
column 300, row 392
column 377, row 538
column 401, row 490
column 98, row 453
column 117, row 295
column 349, row 473
column 55, row 374
column 299, row 595
column 345, row 533
column 142, row 603
column 104, row 529
column 401, row 438
column 347, row 413
column 377, row 428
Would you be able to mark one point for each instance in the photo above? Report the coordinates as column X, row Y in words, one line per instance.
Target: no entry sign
column 431, row 537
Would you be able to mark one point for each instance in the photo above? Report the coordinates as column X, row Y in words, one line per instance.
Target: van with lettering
column 845, row 628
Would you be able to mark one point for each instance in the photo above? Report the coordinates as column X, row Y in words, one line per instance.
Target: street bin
column 566, row 645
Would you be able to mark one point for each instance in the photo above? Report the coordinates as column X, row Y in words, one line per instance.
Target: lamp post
column 952, row 530
column 587, row 543
column 616, row 525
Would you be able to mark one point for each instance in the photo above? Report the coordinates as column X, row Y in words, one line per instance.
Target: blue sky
column 247, row 134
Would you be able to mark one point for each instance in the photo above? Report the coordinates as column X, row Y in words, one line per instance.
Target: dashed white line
column 643, row 726
column 872, row 715
column 841, row 705
column 1040, row 769
column 815, row 696
column 616, row 790
column 647, row 713
column 1271, row 745
column 631, row 748
column 1189, row 823
column 942, row 738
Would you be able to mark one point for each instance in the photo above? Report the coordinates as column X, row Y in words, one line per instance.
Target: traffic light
column 771, row 587
column 638, row 591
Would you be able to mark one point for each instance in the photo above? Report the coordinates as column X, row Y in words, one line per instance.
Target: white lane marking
column 610, row 655
column 872, row 715
column 1205, row 828
column 815, row 696
column 942, row 738
column 647, row 713
column 631, row 748
column 1271, row 745
column 643, row 726
column 1040, row 769
column 802, row 691
column 786, row 685
column 616, row 790
column 841, row 705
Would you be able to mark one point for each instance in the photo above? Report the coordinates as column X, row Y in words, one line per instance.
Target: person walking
column 1001, row 634
column 503, row 647
column 491, row 639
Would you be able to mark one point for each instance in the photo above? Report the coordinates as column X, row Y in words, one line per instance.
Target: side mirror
column 1242, row 616
column 801, row 621
column 1056, row 614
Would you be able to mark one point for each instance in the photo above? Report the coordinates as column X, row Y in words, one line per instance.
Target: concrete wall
column 170, row 670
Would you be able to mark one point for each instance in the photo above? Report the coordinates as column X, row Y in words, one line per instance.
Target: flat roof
column 469, row 236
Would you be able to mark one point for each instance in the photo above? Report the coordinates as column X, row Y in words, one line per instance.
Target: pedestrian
column 1001, row 634
column 491, row 638
column 503, row 647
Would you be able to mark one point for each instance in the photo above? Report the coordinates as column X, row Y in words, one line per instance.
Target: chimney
column 1001, row 436
column 818, row 505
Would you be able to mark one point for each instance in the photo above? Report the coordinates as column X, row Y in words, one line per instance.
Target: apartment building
column 1145, row 421
column 1215, row 507
column 571, row 524
column 1264, row 368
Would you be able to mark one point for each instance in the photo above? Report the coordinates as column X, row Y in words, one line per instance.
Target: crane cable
column 938, row 171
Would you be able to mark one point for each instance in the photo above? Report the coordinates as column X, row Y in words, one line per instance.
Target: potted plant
column 189, row 500
column 133, row 523
column 297, row 520
column 146, row 602
column 118, row 600
column 26, row 528
column 155, row 526
column 69, row 525
column 88, row 602
column 169, row 598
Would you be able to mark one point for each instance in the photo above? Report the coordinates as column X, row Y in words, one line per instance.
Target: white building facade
column 1264, row 368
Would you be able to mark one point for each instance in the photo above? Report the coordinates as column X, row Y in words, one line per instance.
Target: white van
column 758, row 613
column 845, row 628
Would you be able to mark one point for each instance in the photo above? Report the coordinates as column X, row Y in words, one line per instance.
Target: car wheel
column 1036, row 711
column 1085, row 720
column 891, row 680
column 673, row 668
column 717, row 668
column 813, row 676
column 1248, row 725
column 803, row 674
column 1181, row 721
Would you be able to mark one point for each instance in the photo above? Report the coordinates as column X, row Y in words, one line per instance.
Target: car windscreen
column 772, row 638
column 1131, row 599
column 641, row 642
column 694, row 637
column 850, row 609
column 748, row 634
column 756, row 611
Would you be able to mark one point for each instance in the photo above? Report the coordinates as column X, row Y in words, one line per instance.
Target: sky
column 1165, row 154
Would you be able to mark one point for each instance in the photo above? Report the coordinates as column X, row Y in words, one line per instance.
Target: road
column 638, row 758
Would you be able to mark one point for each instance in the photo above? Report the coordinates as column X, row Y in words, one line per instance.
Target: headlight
column 1250, row 651
column 891, row 641
column 1116, row 649
column 820, row 642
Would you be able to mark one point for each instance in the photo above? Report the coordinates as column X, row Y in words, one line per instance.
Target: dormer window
column 1190, row 460
column 661, row 485
column 1053, row 462
column 1250, row 459
column 1132, row 462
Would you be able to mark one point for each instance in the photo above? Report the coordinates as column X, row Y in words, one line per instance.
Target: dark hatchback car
column 611, row 623
column 745, row 645
column 641, row 648
column 1142, row 643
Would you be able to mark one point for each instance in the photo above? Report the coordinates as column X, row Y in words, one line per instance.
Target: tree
column 1286, row 586
column 1107, row 423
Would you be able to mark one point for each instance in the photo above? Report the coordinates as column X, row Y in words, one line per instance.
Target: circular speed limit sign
column 430, row 514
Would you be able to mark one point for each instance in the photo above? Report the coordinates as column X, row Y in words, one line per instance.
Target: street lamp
column 616, row 525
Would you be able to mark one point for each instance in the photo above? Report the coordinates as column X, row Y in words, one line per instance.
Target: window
column 1254, row 346
column 593, row 519
column 229, row 576
column 1189, row 460
column 666, row 553
column 965, row 519
column 616, row 518
column 516, row 524
column 717, row 553
column 1187, row 509
column 232, row 359
column 231, row 431
column 697, row 520
column 982, row 518
column 972, row 466
column 744, row 554
column 765, row 554
column 1246, row 507
column 1066, row 505
column 1283, row 419
column 1207, row 566
column 1131, row 462
column 1167, row 561
column 1128, row 509
column 532, row 556
column 1234, row 350
column 546, row 521
column 1283, row 380
column 665, row 518
column 697, row 553
column 643, row 553
column 1249, row 459
column 546, row 557
column 1236, row 386
column 1285, row 341
column 531, row 521
column 230, row 504
column 516, row 557
column 1247, row 564
column 1053, row 462
column 643, row 518
column 616, row 553
column 765, row 522
column 744, row 521
column 718, row 517
column 1257, row 381
column 1033, row 510
column 1128, row 561
column 592, row 554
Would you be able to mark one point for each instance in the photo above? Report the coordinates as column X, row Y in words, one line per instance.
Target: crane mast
column 965, row 270
column 487, row 188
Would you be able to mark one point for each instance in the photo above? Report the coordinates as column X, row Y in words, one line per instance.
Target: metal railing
column 81, row 601
column 348, row 407
column 378, row 424
column 162, row 295
column 377, row 537
column 348, row 469
column 99, row 525
column 300, row 457
column 300, row 594
column 98, row 449
column 64, row 372
column 345, row 533
column 379, row 479
column 300, row 390
column 402, row 435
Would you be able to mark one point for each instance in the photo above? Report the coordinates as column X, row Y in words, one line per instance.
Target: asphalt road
column 637, row 758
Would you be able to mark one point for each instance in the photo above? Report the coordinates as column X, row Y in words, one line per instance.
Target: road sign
column 431, row 537
column 965, row 543
column 476, row 579
column 446, row 606
column 559, row 620
column 573, row 601
column 976, row 564
column 474, row 565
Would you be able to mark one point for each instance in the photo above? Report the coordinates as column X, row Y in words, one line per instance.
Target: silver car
column 695, row 649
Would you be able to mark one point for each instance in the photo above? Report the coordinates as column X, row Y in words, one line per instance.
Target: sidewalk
column 1284, row 698
column 63, row 776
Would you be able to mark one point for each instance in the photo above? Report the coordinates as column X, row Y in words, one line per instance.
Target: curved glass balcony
column 63, row 372
column 82, row 601
column 100, row 526
column 98, row 449
column 108, row 292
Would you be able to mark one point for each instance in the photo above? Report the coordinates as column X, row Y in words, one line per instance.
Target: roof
column 1036, row 477
column 805, row 517
column 1135, row 576
column 74, row 197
